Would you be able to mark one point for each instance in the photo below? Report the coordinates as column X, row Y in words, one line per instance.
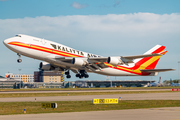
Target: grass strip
column 79, row 106
column 7, row 95
column 69, row 89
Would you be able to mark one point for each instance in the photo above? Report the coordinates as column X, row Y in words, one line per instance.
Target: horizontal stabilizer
column 156, row 70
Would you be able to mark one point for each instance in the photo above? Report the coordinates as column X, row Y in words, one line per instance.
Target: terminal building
column 48, row 76
column 116, row 83
column 10, row 83
column 55, row 79
column 38, row 76
column 26, row 78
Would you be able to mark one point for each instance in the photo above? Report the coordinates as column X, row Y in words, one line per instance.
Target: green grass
column 7, row 95
column 7, row 108
column 68, row 89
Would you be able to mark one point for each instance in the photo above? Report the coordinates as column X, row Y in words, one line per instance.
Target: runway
column 169, row 113
column 139, row 96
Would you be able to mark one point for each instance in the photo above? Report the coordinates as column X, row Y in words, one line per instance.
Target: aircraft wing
column 129, row 59
column 156, row 70
column 91, row 60
column 64, row 59
column 97, row 60
column 140, row 56
column 92, row 64
column 95, row 63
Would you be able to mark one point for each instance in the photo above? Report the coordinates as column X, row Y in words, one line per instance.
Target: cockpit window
column 18, row 36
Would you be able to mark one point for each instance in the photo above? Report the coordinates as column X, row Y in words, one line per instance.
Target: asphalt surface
column 139, row 96
column 170, row 113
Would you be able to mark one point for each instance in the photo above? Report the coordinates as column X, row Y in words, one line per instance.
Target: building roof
column 1, row 76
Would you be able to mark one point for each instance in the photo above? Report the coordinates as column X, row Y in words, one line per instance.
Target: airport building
column 116, row 83
column 26, row 78
column 49, row 76
column 55, row 79
column 10, row 83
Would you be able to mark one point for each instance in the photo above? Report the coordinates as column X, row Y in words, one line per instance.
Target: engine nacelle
column 45, row 66
column 115, row 60
column 79, row 61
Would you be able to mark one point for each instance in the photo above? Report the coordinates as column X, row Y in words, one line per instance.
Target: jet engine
column 115, row 60
column 79, row 61
column 45, row 66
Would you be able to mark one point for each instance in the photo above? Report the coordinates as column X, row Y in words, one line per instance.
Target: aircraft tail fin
column 151, row 62
column 171, row 81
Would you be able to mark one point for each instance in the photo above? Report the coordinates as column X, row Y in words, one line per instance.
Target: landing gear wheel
column 68, row 76
column 67, row 72
column 78, row 75
column 19, row 60
column 82, row 73
column 86, row 75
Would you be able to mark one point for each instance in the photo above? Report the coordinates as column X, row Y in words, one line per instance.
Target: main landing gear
column 82, row 73
column 19, row 60
column 67, row 74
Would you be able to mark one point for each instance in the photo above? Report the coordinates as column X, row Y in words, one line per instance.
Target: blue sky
column 33, row 8
column 106, row 27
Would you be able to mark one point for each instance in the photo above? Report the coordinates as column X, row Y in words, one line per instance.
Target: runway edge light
column 24, row 111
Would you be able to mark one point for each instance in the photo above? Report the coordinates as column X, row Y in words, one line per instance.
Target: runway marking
column 163, row 109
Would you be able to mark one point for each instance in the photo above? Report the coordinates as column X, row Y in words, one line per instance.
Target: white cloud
column 78, row 5
column 107, row 35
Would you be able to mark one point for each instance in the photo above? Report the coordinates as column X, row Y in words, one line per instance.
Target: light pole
column 19, row 71
column 178, row 71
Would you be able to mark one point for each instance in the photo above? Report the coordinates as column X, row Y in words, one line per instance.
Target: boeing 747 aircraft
column 59, row 57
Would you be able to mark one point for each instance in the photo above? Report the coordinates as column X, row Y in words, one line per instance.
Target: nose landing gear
column 19, row 60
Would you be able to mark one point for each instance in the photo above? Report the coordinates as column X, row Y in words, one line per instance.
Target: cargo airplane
column 58, row 57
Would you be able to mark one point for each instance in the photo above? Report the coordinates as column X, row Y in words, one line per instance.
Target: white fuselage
column 46, row 50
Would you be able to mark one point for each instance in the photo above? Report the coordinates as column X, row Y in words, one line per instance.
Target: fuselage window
column 74, row 51
column 88, row 55
column 18, row 36
column 78, row 52
column 82, row 54
column 70, row 50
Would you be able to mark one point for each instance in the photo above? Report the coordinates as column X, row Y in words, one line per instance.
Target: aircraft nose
column 6, row 42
